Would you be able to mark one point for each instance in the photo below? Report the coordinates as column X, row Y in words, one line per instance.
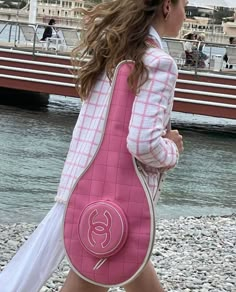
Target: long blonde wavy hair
column 113, row 31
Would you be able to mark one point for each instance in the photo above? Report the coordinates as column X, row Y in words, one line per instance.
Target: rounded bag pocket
column 103, row 228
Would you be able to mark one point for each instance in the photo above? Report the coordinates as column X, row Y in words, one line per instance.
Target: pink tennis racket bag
column 109, row 224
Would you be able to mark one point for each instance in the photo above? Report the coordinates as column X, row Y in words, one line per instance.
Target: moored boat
column 199, row 91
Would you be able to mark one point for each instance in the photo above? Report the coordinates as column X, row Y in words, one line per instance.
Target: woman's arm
column 150, row 113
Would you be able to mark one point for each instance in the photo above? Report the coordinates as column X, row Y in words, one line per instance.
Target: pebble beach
column 190, row 254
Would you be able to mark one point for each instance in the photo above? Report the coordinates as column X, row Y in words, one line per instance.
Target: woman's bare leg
column 74, row 283
column 146, row 281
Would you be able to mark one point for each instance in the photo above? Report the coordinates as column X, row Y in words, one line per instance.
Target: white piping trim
column 214, row 94
column 37, row 72
column 148, row 196
column 38, row 80
column 84, row 171
column 205, row 102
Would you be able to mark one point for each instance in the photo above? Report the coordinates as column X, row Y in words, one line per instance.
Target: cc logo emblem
column 99, row 228
column 102, row 228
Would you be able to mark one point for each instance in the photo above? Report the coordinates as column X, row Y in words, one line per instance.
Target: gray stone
column 190, row 254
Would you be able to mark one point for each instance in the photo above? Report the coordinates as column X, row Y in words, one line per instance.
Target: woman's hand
column 176, row 138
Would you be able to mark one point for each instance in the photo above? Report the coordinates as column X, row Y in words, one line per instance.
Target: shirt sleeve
column 150, row 114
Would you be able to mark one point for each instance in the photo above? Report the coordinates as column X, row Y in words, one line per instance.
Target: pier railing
column 27, row 36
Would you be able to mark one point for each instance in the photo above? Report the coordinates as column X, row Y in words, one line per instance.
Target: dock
column 33, row 68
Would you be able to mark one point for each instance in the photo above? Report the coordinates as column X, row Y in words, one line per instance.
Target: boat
column 209, row 91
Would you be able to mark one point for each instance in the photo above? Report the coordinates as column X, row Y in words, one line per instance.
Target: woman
column 49, row 30
column 190, row 49
column 232, row 41
column 116, row 31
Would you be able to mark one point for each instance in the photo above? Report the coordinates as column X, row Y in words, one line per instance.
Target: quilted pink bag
column 109, row 225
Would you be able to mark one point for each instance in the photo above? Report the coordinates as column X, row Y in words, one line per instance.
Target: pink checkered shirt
column 150, row 115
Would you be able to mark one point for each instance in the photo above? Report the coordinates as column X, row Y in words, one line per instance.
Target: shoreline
column 190, row 253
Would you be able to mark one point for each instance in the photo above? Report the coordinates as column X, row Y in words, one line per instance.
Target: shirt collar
column 154, row 34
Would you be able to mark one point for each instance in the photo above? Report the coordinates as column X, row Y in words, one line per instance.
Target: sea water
column 34, row 144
